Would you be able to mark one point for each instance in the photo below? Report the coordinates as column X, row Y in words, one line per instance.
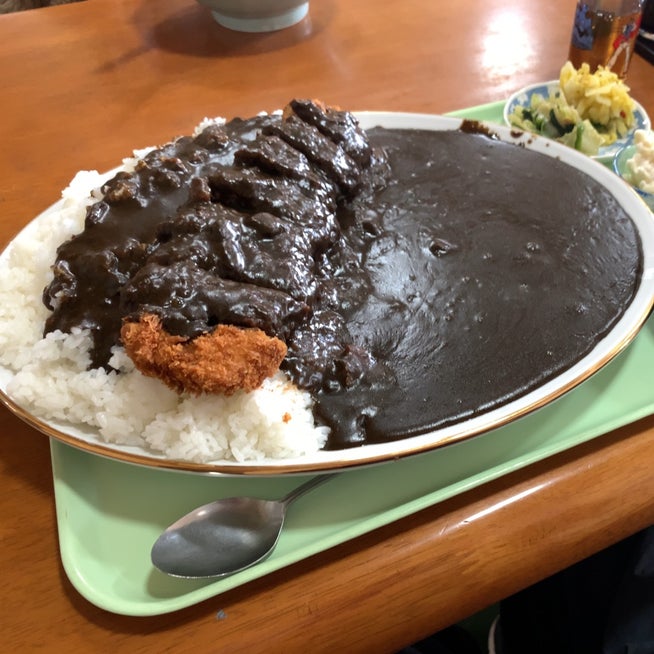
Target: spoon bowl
column 226, row 536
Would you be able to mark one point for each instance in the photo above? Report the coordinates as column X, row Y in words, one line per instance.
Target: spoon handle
column 305, row 488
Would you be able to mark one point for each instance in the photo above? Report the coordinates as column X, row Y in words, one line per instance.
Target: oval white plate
column 605, row 350
column 522, row 98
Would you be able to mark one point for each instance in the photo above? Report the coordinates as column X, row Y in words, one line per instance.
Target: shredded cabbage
column 588, row 111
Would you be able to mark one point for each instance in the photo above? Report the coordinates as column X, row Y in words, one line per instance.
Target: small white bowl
column 257, row 15
column 620, row 168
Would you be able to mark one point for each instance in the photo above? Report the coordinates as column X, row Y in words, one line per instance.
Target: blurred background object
column 647, row 23
column 645, row 40
column 9, row 6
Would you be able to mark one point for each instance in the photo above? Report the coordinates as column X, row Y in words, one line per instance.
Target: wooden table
column 84, row 84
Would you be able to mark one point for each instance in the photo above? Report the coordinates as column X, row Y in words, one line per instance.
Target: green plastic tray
column 109, row 513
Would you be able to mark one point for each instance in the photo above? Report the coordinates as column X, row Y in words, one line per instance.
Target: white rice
column 50, row 377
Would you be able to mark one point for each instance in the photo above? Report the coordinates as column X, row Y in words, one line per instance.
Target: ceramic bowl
column 257, row 15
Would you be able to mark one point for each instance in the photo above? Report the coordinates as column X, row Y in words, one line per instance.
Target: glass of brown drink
column 604, row 33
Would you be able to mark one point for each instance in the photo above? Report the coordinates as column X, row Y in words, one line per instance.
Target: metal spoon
column 225, row 536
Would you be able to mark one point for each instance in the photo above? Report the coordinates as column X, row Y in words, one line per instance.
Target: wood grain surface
column 82, row 86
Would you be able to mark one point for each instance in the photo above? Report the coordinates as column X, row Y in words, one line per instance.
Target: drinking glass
column 604, row 34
